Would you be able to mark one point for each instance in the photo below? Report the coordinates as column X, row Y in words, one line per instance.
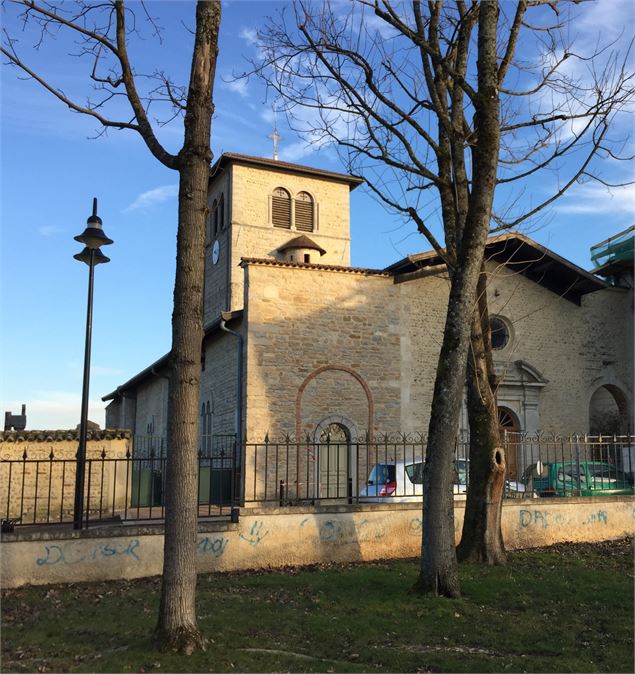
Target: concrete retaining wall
column 294, row 536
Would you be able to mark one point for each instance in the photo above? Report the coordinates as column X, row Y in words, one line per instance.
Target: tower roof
column 286, row 167
column 301, row 242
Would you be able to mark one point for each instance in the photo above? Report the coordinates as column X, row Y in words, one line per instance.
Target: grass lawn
column 566, row 608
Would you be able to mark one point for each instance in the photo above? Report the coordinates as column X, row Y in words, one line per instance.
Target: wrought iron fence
column 117, row 488
column 387, row 469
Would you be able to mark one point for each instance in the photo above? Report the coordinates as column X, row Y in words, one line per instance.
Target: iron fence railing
column 117, row 488
column 390, row 469
column 387, row 469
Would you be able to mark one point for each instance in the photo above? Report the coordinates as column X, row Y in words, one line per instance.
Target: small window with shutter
column 281, row 208
column 304, row 212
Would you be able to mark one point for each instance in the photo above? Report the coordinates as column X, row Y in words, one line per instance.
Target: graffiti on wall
column 212, row 546
column 75, row 552
column 543, row 519
column 342, row 531
column 256, row 533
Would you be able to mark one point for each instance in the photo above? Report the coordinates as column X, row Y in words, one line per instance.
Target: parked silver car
column 402, row 482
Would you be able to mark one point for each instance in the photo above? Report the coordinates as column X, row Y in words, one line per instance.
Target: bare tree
column 102, row 32
column 438, row 109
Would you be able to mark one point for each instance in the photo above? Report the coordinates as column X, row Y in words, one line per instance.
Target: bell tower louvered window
column 304, row 212
column 281, row 208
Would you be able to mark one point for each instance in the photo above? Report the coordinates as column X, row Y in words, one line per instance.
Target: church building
column 299, row 342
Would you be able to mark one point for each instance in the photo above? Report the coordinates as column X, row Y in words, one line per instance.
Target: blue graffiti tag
column 256, row 533
column 596, row 518
column 70, row 553
column 214, row 546
column 536, row 518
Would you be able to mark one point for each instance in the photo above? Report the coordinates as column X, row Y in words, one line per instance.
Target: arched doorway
column 509, row 428
column 335, row 465
column 610, row 423
column 608, row 411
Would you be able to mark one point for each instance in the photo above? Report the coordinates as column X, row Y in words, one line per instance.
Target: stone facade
column 388, row 335
column 330, row 347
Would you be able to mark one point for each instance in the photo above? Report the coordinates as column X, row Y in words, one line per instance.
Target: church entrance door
column 334, row 462
column 509, row 427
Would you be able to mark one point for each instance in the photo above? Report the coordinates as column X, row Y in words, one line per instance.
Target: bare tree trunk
column 439, row 569
column 177, row 628
column 482, row 540
column 439, row 572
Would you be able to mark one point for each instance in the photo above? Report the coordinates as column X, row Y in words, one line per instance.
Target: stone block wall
column 37, row 474
column 574, row 347
column 252, row 233
column 216, row 293
column 218, row 382
column 321, row 343
column 152, row 406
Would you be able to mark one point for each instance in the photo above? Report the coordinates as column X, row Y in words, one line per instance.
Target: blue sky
column 52, row 166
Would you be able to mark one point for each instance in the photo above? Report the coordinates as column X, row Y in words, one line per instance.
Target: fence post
column 281, row 493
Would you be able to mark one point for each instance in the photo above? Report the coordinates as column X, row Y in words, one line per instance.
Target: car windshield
column 571, row 472
column 415, row 473
column 461, row 471
column 382, row 473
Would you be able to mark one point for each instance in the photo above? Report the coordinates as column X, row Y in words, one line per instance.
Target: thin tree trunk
column 177, row 628
column 482, row 540
column 439, row 570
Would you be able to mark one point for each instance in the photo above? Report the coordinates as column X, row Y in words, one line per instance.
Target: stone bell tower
column 269, row 209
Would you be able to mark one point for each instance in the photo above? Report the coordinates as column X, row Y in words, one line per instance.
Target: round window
column 499, row 332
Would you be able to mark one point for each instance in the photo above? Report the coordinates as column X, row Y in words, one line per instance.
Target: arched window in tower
column 214, row 214
column 221, row 212
column 281, row 208
column 304, row 213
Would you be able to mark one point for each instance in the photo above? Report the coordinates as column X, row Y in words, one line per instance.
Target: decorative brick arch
column 316, row 373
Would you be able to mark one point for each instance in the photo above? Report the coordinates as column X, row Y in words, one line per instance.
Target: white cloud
column 239, row 87
column 249, row 35
column 153, row 197
column 49, row 230
column 295, row 151
column 596, row 199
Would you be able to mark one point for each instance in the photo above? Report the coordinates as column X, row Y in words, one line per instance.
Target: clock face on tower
column 215, row 252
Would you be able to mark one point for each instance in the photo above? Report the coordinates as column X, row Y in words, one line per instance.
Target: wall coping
column 64, row 435
column 66, row 532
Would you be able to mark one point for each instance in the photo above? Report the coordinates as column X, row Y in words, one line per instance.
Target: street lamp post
column 93, row 238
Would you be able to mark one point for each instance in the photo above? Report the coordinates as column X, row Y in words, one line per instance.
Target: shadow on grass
column 567, row 608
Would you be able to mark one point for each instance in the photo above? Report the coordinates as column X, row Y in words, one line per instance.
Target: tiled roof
column 270, row 262
column 56, row 436
column 301, row 242
column 353, row 181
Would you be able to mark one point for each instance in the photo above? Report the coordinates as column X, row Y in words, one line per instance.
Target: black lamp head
column 93, row 236
column 98, row 256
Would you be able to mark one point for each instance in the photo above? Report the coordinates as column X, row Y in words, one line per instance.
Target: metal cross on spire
column 275, row 136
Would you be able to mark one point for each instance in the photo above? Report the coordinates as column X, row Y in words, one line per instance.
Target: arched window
column 221, row 213
column 304, row 218
column 281, row 208
column 214, row 219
